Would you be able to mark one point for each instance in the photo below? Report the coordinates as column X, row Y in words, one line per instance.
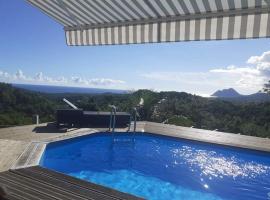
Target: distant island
column 226, row 93
column 232, row 95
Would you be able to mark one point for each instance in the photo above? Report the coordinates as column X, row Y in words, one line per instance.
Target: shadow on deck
column 49, row 128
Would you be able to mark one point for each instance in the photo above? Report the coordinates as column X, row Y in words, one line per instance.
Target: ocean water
column 159, row 167
column 63, row 89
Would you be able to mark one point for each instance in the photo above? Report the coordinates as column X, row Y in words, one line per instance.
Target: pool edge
column 33, row 153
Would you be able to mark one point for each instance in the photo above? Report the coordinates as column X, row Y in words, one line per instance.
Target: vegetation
column 17, row 107
column 267, row 87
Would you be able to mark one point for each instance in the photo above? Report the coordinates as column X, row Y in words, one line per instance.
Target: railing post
column 35, row 119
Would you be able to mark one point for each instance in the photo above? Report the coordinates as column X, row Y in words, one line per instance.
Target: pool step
column 123, row 140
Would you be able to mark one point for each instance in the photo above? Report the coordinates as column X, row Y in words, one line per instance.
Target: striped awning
column 109, row 22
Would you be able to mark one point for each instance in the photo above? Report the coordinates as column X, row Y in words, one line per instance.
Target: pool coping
column 211, row 137
column 33, row 153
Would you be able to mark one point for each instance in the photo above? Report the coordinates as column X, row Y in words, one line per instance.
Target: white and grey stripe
column 101, row 22
column 234, row 27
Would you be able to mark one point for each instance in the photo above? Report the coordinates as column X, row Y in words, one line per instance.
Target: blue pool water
column 160, row 167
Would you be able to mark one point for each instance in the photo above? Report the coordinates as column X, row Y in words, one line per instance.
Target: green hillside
column 17, row 107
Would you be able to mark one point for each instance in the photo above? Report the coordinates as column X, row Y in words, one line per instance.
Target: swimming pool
column 161, row 167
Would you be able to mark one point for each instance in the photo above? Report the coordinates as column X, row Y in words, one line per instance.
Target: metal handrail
column 135, row 119
column 135, row 114
column 112, row 118
column 129, row 125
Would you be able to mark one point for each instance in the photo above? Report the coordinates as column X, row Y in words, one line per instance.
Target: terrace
column 22, row 148
column 125, row 22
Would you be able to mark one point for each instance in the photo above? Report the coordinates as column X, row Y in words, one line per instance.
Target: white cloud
column 79, row 80
column 4, row 74
column 246, row 79
column 62, row 79
column 19, row 75
column 40, row 78
column 236, row 70
column 96, row 81
column 264, row 58
column 104, row 81
column 253, row 76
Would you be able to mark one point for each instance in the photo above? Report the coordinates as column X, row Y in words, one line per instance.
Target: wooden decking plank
column 40, row 187
column 37, row 183
column 13, row 196
column 86, row 193
column 22, row 191
column 83, row 184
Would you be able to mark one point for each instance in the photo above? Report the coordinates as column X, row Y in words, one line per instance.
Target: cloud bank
column 247, row 79
column 40, row 78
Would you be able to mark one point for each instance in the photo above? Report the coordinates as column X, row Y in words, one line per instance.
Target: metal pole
column 114, row 119
column 129, row 125
column 135, row 119
column 110, row 125
column 37, row 119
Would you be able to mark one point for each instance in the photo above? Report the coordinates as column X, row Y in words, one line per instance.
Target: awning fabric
column 107, row 22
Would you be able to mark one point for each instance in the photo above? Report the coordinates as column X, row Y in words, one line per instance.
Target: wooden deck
column 37, row 183
column 24, row 145
column 15, row 140
column 212, row 137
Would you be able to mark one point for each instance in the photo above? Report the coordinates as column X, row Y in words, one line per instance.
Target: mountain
column 226, row 93
column 232, row 95
column 257, row 97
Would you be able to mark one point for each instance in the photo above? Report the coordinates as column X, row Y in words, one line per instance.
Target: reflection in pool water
column 160, row 167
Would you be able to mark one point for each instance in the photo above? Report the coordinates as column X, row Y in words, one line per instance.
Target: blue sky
column 33, row 50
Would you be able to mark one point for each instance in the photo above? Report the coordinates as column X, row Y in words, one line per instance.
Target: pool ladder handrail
column 112, row 118
column 135, row 115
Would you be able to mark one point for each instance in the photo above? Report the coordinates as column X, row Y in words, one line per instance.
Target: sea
column 63, row 89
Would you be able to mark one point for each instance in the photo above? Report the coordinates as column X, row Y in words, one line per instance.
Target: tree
column 267, row 87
